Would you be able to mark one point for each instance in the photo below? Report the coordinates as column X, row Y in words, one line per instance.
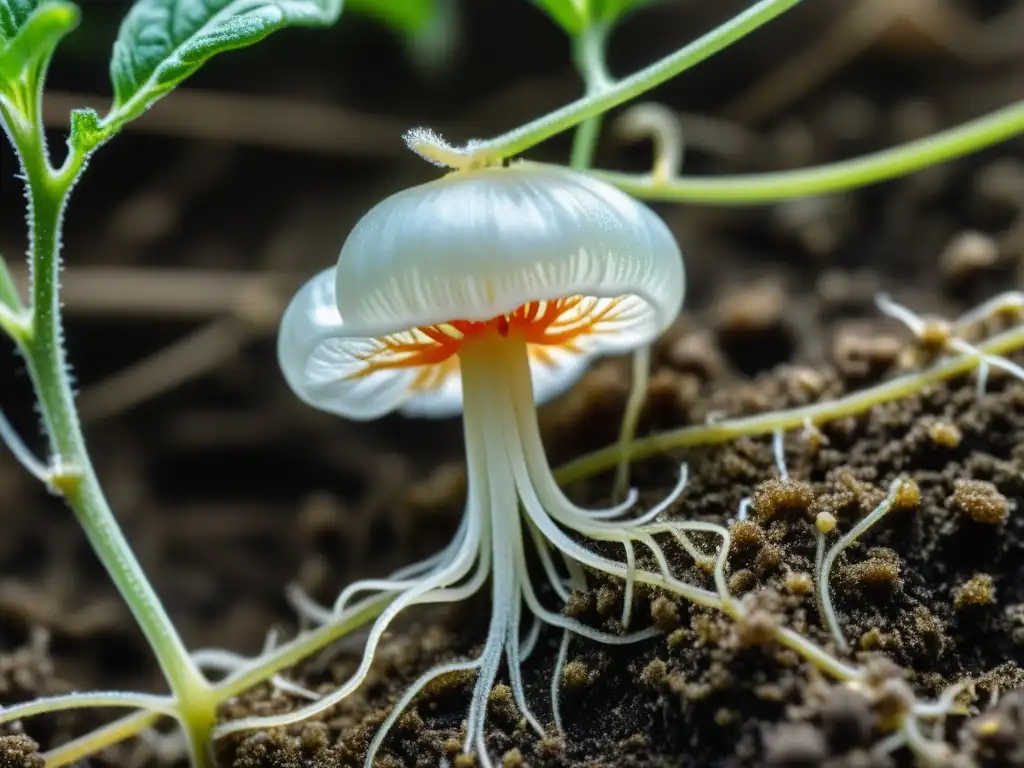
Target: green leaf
column 162, row 42
column 575, row 16
column 13, row 16
column 428, row 28
column 406, row 17
column 570, row 15
column 610, row 11
column 29, row 33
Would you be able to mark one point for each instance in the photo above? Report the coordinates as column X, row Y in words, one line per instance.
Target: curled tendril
column 661, row 125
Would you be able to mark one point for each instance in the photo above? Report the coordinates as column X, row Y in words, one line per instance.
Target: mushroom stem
column 507, row 468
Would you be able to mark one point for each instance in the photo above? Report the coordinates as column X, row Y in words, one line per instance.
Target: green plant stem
column 853, row 404
column 589, row 58
column 752, row 189
column 592, row 105
column 101, row 738
column 71, row 473
column 282, row 657
column 302, row 647
column 584, row 143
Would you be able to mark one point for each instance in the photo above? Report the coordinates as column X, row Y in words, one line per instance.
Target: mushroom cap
column 472, row 246
column 317, row 358
column 476, row 244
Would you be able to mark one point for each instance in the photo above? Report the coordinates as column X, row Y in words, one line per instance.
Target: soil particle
column 795, row 745
column 608, row 600
column 944, row 434
column 756, row 628
column 1002, row 183
column 577, row 675
column 284, row 751
column 893, row 699
column 746, row 535
column 19, row 751
column 863, row 758
column 742, row 580
column 776, row 496
column 671, row 397
column 995, row 739
column 501, row 706
column 28, row 671
column 908, row 495
column 847, row 719
column 696, row 352
column 768, row 559
column 578, row 604
column 978, row 590
column 655, row 673
column 966, row 254
column 860, row 352
column 665, row 613
column 981, row 501
column 882, row 568
column 513, row 759
column 1015, row 618
column 799, row 583
column 751, row 327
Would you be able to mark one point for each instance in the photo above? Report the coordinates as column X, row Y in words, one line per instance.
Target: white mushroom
column 486, row 291
column 565, row 264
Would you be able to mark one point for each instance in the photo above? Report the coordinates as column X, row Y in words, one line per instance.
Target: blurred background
column 191, row 230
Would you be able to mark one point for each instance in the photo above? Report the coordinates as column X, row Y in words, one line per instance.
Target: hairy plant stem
column 259, row 670
column 70, row 472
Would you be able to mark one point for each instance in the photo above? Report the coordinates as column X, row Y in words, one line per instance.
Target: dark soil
column 230, row 489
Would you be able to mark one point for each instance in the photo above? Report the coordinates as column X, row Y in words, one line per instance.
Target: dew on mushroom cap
column 488, row 291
